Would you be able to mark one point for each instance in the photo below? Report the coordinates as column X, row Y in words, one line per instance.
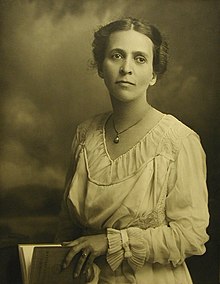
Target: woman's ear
column 100, row 74
column 153, row 79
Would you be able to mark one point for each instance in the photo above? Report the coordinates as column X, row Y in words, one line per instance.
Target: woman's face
column 128, row 65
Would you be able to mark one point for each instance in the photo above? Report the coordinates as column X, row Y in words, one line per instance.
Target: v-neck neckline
column 112, row 160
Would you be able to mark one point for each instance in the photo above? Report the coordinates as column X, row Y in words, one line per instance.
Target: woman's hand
column 91, row 247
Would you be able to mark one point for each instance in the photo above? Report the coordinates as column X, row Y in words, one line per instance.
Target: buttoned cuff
column 119, row 247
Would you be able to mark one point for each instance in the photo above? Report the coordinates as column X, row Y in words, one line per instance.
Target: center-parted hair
column 160, row 46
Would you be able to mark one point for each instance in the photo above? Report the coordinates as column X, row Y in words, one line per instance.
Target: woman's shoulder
column 177, row 128
column 175, row 132
column 94, row 121
column 91, row 124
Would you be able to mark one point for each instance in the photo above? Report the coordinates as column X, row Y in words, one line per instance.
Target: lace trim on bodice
column 163, row 139
column 153, row 219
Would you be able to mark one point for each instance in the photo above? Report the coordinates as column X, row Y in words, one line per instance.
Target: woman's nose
column 126, row 68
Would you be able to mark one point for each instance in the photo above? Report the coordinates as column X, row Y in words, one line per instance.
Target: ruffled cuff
column 127, row 243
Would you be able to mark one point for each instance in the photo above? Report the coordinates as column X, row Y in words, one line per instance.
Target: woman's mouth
column 124, row 82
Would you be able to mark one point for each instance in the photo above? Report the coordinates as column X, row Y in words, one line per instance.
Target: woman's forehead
column 130, row 40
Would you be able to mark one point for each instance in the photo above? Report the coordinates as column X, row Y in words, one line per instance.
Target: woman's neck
column 125, row 114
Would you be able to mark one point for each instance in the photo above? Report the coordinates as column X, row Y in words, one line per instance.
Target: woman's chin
column 125, row 97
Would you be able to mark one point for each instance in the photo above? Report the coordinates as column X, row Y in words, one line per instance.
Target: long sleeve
column 186, row 214
column 67, row 228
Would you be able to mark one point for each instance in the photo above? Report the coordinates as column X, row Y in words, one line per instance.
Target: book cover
column 42, row 264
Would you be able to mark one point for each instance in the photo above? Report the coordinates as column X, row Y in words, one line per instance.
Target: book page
column 47, row 267
column 25, row 257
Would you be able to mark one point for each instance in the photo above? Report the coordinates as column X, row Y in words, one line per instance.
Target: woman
column 136, row 199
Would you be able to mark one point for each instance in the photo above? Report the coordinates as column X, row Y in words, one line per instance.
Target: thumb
column 66, row 243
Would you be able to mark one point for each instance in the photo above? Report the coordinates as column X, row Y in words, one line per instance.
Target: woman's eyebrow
column 138, row 52
column 117, row 50
column 135, row 52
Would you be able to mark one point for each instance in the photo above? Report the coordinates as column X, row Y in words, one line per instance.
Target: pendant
column 116, row 140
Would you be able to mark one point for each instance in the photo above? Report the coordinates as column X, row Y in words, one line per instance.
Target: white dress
column 151, row 201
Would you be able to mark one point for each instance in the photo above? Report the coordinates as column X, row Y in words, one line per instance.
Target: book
column 42, row 264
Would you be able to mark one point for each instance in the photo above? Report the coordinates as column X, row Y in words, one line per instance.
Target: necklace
column 116, row 139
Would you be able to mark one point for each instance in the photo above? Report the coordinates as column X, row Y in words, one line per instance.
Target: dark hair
column 160, row 49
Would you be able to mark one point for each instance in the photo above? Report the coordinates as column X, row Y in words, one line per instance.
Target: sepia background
column 48, row 86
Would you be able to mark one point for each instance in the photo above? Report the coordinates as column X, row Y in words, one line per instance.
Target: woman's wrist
column 114, row 240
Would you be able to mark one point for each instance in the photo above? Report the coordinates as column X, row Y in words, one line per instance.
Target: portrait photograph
column 110, row 137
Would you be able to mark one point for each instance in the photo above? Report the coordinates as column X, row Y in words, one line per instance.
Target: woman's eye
column 140, row 59
column 116, row 56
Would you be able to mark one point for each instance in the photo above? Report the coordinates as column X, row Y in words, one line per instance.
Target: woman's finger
column 89, row 263
column 81, row 262
column 72, row 252
column 66, row 243
column 71, row 243
column 90, row 274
